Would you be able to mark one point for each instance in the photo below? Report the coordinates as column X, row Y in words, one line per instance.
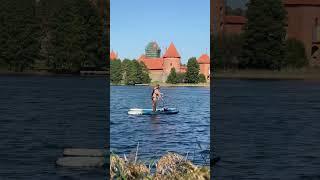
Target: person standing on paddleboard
column 155, row 96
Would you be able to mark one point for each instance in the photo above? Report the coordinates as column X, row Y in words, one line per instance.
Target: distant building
column 160, row 67
column 303, row 24
column 113, row 55
column 204, row 63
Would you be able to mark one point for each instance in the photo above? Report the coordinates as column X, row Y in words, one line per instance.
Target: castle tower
column 113, row 55
column 171, row 59
column 152, row 50
column 204, row 63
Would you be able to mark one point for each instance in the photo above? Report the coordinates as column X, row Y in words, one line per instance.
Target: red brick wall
column 233, row 28
column 204, row 69
column 301, row 23
column 169, row 63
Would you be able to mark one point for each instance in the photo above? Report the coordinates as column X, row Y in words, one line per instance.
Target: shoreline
column 296, row 74
column 167, row 85
column 39, row 73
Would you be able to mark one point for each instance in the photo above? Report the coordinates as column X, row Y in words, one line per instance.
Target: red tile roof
column 142, row 57
column 113, row 55
column 171, row 52
column 204, row 59
column 235, row 19
column 302, row 2
column 153, row 63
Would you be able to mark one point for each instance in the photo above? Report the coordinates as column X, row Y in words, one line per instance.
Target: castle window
column 170, row 64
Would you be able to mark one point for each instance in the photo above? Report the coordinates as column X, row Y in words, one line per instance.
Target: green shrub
column 295, row 54
column 202, row 78
column 172, row 78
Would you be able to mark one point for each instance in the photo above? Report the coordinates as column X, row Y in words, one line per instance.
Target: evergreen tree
column 181, row 77
column 20, row 34
column 74, row 29
column 172, row 78
column 295, row 54
column 115, row 71
column 264, row 35
column 202, row 78
column 145, row 74
column 192, row 75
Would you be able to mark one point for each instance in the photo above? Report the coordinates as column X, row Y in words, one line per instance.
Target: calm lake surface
column 40, row 116
column 267, row 129
column 161, row 133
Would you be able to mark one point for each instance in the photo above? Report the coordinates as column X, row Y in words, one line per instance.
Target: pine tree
column 202, row 78
column 20, row 34
column 115, row 71
column 192, row 75
column 145, row 74
column 74, row 29
column 172, row 78
column 264, row 35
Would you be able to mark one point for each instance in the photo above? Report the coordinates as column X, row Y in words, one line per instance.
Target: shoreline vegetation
column 285, row 74
column 169, row 166
column 167, row 84
column 291, row 74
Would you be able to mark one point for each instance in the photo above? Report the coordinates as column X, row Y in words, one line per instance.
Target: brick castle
column 159, row 67
column 303, row 24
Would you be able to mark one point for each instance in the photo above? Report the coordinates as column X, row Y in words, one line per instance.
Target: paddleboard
column 136, row 111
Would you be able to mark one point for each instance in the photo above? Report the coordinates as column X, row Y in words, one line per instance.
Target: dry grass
column 170, row 166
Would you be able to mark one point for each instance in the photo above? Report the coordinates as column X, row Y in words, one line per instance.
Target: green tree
column 295, row 54
column 202, row 78
column 192, row 74
column 145, row 78
column 264, row 35
column 172, row 78
column 226, row 51
column 115, row 71
column 20, row 34
column 181, row 77
column 74, row 29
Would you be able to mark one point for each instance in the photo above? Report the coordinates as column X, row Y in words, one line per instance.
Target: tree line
column 55, row 35
column 263, row 43
column 128, row 72
column 131, row 72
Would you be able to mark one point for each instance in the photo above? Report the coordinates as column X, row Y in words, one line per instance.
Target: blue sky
column 134, row 23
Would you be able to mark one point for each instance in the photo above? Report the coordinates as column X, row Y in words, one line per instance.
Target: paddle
column 163, row 102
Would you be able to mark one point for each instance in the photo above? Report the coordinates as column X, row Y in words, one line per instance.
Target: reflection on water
column 267, row 129
column 158, row 134
column 39, row 116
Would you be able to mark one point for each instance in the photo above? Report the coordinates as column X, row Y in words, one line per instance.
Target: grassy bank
column 169, row 166
column 287, row 74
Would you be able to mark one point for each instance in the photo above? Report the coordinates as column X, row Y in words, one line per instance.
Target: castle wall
column 205, row 69
column 301, row 26
column 157, row 75
column 169, row 63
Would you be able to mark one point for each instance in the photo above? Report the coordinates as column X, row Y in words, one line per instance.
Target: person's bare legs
column 154, row 105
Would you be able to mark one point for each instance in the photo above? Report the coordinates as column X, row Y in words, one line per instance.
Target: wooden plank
column 81, row 161
column 84, row 152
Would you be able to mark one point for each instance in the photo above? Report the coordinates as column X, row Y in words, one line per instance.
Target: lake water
column 267, row 129
column 40, row 116
column 158, row 134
